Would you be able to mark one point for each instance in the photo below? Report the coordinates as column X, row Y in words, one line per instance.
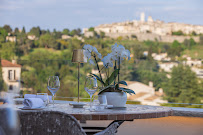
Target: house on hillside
column 65, row 37
column 161, row 57
column 11, row 72
column 198, row 71
column 11, row 38
column 193, row 62
column 167, row 66
column 145, row 94
column 31, row 37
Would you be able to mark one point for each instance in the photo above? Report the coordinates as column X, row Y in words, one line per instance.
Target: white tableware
column 78, row 105
column 24, row 108
column 91, row 87
column 33, row 103
column 44, row 97
column 53, row 85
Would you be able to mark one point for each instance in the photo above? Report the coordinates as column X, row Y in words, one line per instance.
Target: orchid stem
column 98, row 66
column 118, row 69
column 114, row 74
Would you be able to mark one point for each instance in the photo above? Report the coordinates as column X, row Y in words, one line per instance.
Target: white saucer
column 78, row 105
column 22, row 108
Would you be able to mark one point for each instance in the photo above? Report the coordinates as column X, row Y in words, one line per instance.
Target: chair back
column 48, row 123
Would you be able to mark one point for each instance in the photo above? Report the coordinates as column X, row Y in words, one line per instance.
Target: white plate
column 116, row 108
column 78, row 105
column 22, row 108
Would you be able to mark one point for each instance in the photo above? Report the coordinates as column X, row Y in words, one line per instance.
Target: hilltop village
column 149, row 30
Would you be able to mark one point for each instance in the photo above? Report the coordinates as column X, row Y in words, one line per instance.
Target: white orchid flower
column 124, row 54
column 95, row 51
column 88, row 47
column 128, row 54
column 87, row 54
column 99, row 55
column 120, row 49
column 114, row 47
column 107, row 61
column 114, row 56
column 91, row 62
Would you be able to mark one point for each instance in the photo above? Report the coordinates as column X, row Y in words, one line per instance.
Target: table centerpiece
column 115, row 94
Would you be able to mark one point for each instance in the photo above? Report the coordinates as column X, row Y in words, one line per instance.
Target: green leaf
column 105, row 89
column 111, row 78
column 98, row 78
column 127, row 90
column 120, row 82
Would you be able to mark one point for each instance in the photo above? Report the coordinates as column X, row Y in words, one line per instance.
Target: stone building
column 11, row 38
column 31, row 37
column 65, row 37
column 11, row 72
column 148, row 30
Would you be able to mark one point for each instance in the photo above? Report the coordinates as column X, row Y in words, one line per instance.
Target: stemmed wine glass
column 53, row 85
column 91, row 87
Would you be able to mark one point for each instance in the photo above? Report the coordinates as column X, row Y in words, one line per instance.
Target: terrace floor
column 173, row 125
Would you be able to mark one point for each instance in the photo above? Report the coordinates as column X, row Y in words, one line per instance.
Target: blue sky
column 60, row 14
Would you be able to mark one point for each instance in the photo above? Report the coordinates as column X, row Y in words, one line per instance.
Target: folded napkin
column 33, row 103
column 43, row 97
column 30, row 96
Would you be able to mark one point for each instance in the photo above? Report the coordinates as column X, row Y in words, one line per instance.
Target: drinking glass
column 53, row 85
column 91, row 87
column 96, row 105
column 95, row 100
column 44, row 97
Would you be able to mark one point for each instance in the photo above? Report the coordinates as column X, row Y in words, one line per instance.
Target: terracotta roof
column 6, row 63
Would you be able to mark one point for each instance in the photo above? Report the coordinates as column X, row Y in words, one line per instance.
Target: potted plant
column 115, row 94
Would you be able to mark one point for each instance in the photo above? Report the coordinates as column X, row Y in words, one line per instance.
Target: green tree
column 149, row 56
column 201, row 40
column 2, row 39
column 43, row 32
column 165, row 48
column 178, row 33
column 66, row 31
column 3, row 32
column 102, row 34
column 7, row 50
column 91, row 29
column 194, row 33
column 175, row 44
column 2, row 85
column 183, row 86
column 7, row 28
column 16, row 31
column 23, row 30
column 75, row 32
column 56, row 34
column 35, row 31
column 26, row 47
column 47, row 41
column 189, row 43
column 175, row 49
column 138, row 52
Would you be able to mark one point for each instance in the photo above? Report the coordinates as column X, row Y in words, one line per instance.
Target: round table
column 129, row 113
column 118, row 115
